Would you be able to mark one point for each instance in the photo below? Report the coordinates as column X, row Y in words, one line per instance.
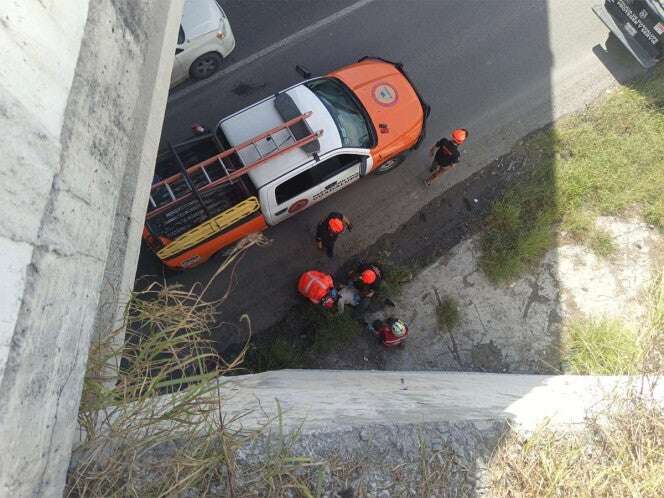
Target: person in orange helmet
column 329, row 229
column 446, row 153
column 318, row 287
column 366, row 279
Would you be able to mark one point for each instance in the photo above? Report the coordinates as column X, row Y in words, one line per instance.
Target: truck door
column 306, row 187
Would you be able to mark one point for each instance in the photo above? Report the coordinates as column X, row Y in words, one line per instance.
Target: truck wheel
column 390, row 164
column 205, row 66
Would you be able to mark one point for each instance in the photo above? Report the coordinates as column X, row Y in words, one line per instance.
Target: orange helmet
column 368, row 277
column 335, row 225
column 459, row 136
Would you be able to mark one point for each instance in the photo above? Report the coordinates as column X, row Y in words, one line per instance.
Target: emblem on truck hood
column 385, row 94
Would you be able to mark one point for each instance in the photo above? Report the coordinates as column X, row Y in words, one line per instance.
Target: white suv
column 205, row 38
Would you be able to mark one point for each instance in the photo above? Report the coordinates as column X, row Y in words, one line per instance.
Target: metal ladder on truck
column 209, row 174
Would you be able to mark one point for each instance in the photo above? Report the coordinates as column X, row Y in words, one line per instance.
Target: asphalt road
column 500, row 68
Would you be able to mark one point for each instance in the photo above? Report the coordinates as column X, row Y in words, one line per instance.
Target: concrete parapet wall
column 328, row 400
column 83, row 87
column 378, row 430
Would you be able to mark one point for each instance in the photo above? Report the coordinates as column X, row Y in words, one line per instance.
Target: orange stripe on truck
column 201, row 253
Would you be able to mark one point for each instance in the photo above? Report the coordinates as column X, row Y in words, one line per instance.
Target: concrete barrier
column 334, row 400
column 83, row 87
column 450, row 423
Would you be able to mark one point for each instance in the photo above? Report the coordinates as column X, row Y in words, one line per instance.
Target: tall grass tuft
column 448, row 314
column 652, row 335
column 621, row 453
column 151, row 412
column 608, row 347
column 602, row 347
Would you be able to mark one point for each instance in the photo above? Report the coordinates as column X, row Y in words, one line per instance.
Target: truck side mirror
column 303, row 71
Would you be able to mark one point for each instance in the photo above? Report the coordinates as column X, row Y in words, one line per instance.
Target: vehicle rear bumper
column 637, row 51
column 426, row 108
column 199, row 254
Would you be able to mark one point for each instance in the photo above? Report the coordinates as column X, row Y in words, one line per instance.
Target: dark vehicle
column 638, row 24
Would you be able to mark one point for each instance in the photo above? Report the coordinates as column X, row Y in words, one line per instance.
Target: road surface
column 500, row 68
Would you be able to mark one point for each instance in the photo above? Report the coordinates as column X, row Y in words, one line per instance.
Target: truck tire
column 390, row 164
column 205, row 65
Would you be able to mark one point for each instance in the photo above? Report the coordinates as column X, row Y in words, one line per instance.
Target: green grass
column 601, row 242
column 603, row 347
column 652, row 336
column 654, row 212
column 333, row 331
column 394, row 278
column 606, row 160
column 279, row 354
column 608, row 347
column 620, row 450
column 447, row 314
column 618, row 453
column 307, row 331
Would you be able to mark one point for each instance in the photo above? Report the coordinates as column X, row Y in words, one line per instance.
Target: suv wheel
column 205, row 66
column 390, row 164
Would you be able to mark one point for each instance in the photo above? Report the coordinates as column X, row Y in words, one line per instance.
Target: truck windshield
column 346, row 112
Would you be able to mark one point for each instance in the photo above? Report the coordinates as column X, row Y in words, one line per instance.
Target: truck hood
column 388, row 97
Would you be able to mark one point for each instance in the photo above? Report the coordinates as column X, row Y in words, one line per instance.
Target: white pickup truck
column 278, row 156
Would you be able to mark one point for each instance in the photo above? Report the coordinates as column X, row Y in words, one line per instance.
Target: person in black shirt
column 447, row 153
column 366, row 279
column 329, row 229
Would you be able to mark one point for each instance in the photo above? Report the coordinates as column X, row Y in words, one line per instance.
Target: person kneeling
column 392, row 332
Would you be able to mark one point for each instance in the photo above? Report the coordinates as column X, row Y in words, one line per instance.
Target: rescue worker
column 392, row 332
column 446, row 153
column 329, row 229
column 318, row 287
column 366, row 279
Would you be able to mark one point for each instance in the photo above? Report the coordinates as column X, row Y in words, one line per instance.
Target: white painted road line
column 297, row 36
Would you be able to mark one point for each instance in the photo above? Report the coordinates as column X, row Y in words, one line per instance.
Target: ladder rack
column 212, row 172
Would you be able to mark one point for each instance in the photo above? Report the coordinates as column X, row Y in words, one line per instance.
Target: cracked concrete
column 611, row 287
column 517, row 327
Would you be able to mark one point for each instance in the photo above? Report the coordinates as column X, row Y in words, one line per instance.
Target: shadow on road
column 616, row 59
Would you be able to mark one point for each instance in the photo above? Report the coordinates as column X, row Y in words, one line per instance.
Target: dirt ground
column 515, row 328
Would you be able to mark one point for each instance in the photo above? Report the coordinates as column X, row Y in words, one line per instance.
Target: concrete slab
column 81, row 100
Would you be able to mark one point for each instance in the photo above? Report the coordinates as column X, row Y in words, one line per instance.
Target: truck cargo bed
column 195, row 210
